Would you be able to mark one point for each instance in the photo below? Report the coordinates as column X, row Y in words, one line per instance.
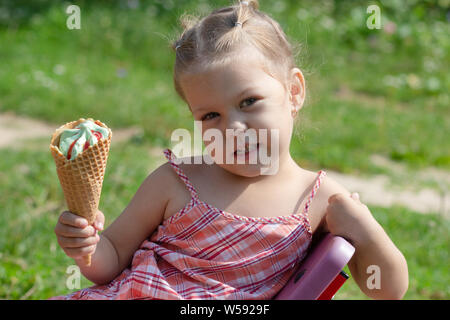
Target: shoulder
column 161, row 174
column 162, row 181
column 166, row 176
column 158, row 183
column 176, row 191
column 330, row 186
column 319, row 203
column 168, row 171
column 171, row 174
column 193, row 167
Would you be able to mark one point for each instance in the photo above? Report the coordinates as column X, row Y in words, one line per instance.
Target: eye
column 206, row 116
column 211, row 115
column 250, row 99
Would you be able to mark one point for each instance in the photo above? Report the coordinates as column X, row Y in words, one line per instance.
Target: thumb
column 99, row 220
column 331, row 198
column 355, row 196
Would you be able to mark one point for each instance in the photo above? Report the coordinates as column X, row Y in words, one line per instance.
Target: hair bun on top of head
column 250, row 3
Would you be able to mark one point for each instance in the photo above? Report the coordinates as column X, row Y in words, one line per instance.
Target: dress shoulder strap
column 174, row 162
column 320, row 176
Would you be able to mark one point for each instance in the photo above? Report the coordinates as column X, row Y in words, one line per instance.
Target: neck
column 287, row 168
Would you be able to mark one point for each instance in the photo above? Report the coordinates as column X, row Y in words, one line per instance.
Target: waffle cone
column 81, row 179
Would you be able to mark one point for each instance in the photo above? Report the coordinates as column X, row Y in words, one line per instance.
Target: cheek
column 272, row 120
column 279, row 123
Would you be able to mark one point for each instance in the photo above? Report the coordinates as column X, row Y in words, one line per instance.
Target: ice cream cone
column 82, row 178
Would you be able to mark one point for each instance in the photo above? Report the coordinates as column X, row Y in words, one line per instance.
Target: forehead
column 226, row 76
column 225, row 81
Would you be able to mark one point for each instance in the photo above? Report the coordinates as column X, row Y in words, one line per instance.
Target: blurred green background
column 381, row 91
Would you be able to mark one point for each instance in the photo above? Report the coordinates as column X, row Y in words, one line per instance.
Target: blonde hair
column 217, row 38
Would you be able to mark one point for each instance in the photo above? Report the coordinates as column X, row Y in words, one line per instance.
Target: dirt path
column 378, row 190
column 17, row 131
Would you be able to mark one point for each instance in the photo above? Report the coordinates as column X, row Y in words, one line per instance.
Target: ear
column 297, row 88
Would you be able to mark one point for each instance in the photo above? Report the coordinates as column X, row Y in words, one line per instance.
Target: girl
column 224, row 230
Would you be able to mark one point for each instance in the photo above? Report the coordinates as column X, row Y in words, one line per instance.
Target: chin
column 244, row 170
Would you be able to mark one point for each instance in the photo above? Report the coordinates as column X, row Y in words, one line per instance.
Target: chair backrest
column 320, row 274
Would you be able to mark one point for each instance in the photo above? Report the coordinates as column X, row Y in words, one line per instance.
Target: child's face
column 243, row 96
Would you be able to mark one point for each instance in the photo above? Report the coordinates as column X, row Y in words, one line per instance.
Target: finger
column 333, row 197
column 357, row 199
column 99, row 220
column 72, row 219
column 66, row 242
column 80, row 252
column 355, row 196
column 72, row 232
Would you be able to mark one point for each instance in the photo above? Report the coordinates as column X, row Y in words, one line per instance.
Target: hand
column 75, row 236
column 346, row 216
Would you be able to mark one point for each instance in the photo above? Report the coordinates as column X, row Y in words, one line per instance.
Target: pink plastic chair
column 320, row 275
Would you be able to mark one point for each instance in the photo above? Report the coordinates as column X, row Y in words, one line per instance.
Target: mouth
column 247, row 150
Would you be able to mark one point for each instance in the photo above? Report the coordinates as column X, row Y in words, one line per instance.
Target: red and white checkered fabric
column 202, row 252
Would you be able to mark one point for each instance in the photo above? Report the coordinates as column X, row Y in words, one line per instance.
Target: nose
column 236, row 122
column 236, row 127
column 239, row 132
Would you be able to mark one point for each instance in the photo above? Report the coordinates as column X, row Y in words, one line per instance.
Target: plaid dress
column 202, row 252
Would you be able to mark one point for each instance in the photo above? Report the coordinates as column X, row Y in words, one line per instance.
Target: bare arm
column 378, row 267
column 137, row 222
column 104, row 264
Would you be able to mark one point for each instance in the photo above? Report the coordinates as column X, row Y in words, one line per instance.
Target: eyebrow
column 243, row 92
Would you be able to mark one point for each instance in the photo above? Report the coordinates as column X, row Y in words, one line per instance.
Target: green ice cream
column 74, row 141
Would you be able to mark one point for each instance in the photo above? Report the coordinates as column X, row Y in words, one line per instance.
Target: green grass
column 424, row 241
column 34, row 267
column 30, row 255
column 118, row 68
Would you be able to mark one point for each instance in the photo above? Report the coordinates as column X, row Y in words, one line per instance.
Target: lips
column 248, row 149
